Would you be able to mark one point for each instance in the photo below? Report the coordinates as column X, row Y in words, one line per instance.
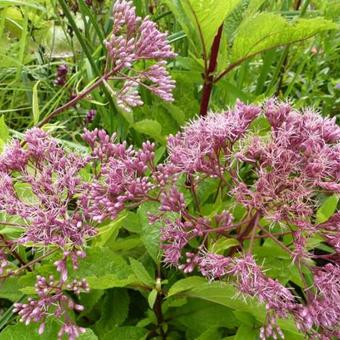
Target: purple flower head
column 323, row 309
column 51, row 176
column 122, row 178
column 132, row 40
column 53, row 301
column 203, row 142
column 61, row 78
column 214, row 266
column 174, row 201
column 90, row 116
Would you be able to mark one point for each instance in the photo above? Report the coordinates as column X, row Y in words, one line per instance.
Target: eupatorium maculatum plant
column 263, row 187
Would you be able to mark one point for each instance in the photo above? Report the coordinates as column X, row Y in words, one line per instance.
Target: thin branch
column 75, row 100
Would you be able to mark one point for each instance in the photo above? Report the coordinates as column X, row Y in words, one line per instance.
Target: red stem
column 208, row 76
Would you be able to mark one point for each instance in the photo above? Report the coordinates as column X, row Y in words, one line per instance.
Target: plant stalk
column 208, row 76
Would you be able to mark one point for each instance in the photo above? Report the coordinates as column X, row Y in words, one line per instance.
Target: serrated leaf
column 10, row 289
column 268, row 30
column 132, row 222
column 141, row 273
column 210, row 333
column 327, row 208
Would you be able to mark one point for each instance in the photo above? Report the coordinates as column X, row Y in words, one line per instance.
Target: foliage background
column 122, row 264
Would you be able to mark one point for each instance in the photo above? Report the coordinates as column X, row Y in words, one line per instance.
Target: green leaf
column 131, row 222
column 30, row 332
column 226, row 295
column 90, row 299
column 149, row 127
column 246, row 333
column 152, row 298
column 10, row 289
column 268, row 30
column 109, row 232
column 210, row 15
column 327, row 208
column 223, row 244
column 103, row 269
column 35, row 103
column 198, row 315
column 127, row 332
column 141, row 273
column 185, row 284
column 114, row 311
column 4, row 132
column 150, row 234
column 210, row 333
column 202, row 17
column 245, row 317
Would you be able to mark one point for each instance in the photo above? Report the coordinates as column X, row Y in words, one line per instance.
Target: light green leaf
column 152, row 298
column 246, row 333
column 202, row 17
column 11, row 3
column 223, row 244
column 327, row 209
column 268, row 30
column 199, row 315
column 141, row 273
column 35, row 103
column 245, row 317
column 210, row 333
column 4, row 132
column 132, row 222
column 149, row 127
column 109, row 232
column 210, row 15
column 10, row 289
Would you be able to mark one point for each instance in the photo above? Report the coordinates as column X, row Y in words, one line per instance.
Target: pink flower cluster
column 215, row 169
column 38, row 184
column 203, row 142
column 132, row 40
column 122, row 177
column 302, row 156
column 52, row 300
column 277, row 179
